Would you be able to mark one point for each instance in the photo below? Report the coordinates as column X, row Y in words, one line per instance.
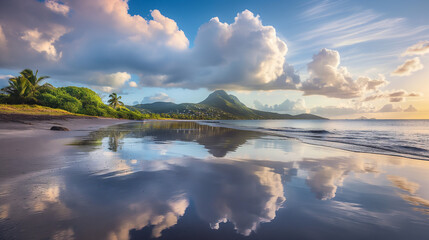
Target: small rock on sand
column 59, row 128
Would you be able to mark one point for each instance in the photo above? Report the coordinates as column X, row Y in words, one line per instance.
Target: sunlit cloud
column 390, row 108
column 410, row 108
column 44, row 42
column 110, row 82
column 393, row 96
column 287, row 106
column 69, row 43
column 419, row 48
column 57, row 7
column 132, row 84
column 329, row 79
column 243, row 55
column 409, row 66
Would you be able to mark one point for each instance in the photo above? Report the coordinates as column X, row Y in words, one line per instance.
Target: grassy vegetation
column 32, row 110
column 27, row 89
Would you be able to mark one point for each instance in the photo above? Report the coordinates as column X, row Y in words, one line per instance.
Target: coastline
column 28, row 145
column 344, row 139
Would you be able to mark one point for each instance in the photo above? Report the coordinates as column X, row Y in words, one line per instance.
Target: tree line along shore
column 28, row 94
column 28, row 89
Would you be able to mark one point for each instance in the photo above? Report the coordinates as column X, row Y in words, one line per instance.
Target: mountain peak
column 218, row 105
column 220, row 97
column 220, row 92
column 227, row 103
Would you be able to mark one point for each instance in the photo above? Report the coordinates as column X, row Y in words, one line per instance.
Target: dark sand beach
column 184, row 180
column 28, row 145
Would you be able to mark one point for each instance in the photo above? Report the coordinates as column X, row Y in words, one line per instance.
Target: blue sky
column 339, row 59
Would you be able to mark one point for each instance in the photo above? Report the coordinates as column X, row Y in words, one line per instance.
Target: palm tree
column 114, row 101
column 20, row 90
column 34, row 80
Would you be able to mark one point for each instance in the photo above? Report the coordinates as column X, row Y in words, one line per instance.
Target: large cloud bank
column 100, row 44
column 81, row 40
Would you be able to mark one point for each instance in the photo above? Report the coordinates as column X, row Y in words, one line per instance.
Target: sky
column 338, row 59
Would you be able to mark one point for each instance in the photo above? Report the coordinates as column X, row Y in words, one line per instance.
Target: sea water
column 408, row 138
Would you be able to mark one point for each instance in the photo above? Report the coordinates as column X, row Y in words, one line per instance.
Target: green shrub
column 84, row 101
column 47, row 99
column 72, row 106
column 90, row 110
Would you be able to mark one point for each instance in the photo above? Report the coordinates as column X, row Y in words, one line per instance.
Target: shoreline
column 338, row 145
column 28, row 145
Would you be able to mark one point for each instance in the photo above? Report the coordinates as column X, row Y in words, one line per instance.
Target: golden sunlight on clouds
column 57, row 7
column 409, row 66
column 43, row 42
column 419, row 48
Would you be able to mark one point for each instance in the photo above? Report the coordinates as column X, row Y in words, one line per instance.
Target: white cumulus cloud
column 57, row 7
column 76, row 40
column 132, row 84
column 44, row 42
column 329, row 79
column 110, row 82
column 242, row 55
column 287, row 106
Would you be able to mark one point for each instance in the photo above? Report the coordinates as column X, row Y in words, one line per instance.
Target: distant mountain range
column 218, row 105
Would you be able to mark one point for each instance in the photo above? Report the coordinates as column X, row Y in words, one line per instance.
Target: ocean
column 408, row 138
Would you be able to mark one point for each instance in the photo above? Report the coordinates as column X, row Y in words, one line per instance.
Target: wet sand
column 28, row 145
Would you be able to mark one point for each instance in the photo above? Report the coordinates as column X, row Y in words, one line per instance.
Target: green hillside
column 218, row 105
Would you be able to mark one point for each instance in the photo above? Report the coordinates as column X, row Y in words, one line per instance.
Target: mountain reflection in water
column 183, row 180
